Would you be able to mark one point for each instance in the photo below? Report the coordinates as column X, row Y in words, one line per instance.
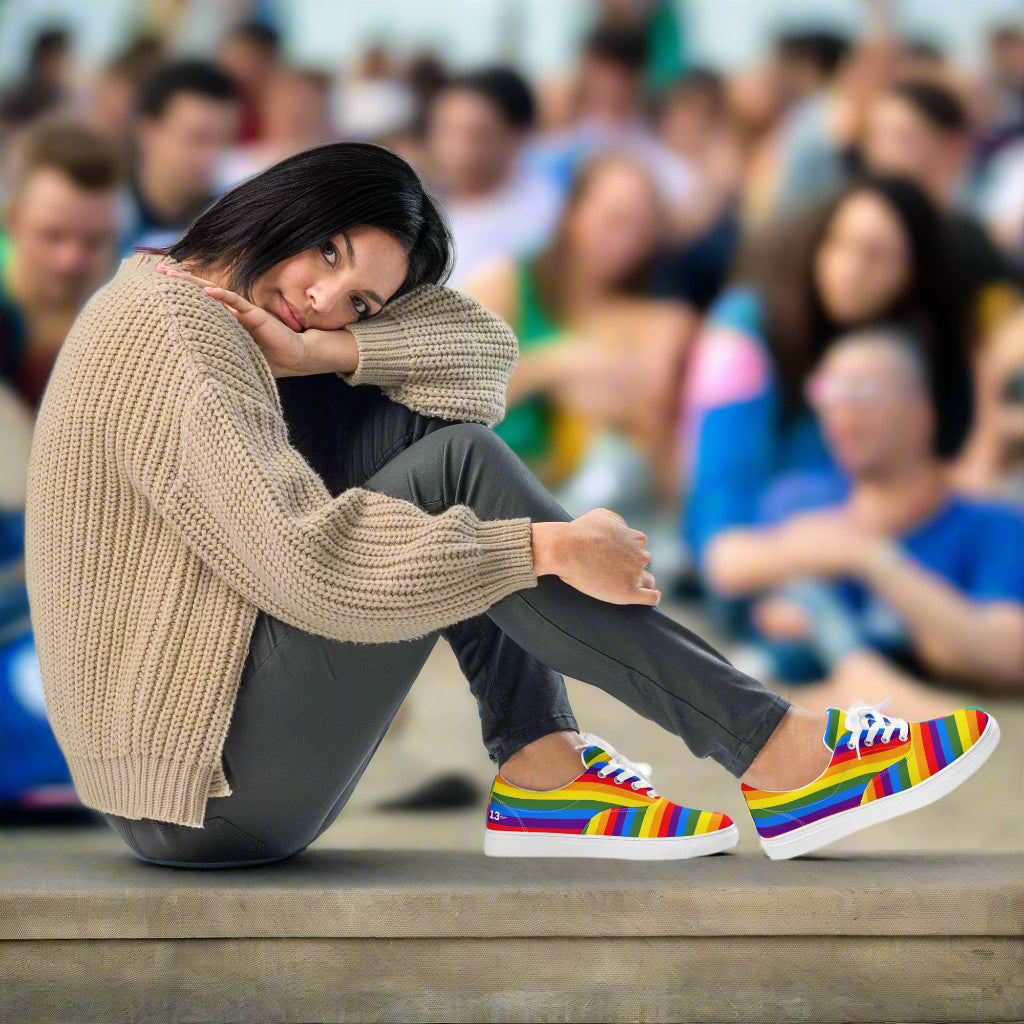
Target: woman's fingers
column 170, row 271
column 232, row 300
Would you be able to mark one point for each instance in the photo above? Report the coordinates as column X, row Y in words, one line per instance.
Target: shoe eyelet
column 868, row 743
column 618, row 782
column 849, row 746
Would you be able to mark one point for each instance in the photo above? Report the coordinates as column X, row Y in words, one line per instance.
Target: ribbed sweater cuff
column 385, row 355
column 507, row 562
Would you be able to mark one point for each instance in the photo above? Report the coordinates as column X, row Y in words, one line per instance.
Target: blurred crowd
column 774, row 316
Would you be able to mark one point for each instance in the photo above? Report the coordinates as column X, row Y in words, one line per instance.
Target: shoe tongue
column 834, row 728
column 594, row 755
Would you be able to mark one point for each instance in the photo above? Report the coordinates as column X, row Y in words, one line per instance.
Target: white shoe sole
column 552, row 844
column 821, row 833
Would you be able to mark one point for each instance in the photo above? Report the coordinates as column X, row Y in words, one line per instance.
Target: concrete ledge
column 337, row 935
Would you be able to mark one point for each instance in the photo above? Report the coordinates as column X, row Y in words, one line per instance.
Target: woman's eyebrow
column 352, row 262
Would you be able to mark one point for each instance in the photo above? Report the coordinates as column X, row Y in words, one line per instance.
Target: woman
column 596, row 352
column 873, row 251
column 190, row 570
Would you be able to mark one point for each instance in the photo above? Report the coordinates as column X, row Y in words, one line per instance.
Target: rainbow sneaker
column 911, row 764
column 597, row 815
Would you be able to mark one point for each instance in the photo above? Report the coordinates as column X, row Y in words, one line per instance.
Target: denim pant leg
column 645, row 658
column 347, row 434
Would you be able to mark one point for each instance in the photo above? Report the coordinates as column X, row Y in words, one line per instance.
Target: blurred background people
column 597, row 354
column 295, row 116
column 60, row 218
column 874, row 250
column 882, row 556
column 477, row 125
column 250, row 54
column 678, row 214
column 187, row 117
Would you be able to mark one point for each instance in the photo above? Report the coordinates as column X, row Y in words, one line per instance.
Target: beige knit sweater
column 165, row 507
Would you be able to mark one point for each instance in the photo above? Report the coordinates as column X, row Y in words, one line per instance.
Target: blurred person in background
column 797, row 161
column 693, row 118
column 187, row 118
column 880, row 575
column 46, row 81
column 112, row 95
column 590, row 406
column 496, row 205
column 250, row 54
column 295, row 117
column 1001, row 87
column 61, row 221
column 874, row 250
column 1000, row 411
column 610, row 110
column 922, row 129
column 378, row 95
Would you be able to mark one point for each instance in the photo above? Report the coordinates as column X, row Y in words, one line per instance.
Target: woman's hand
column 289, row 353
column 598, row 554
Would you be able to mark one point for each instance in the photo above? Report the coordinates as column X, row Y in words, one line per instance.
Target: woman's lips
column 289, row 316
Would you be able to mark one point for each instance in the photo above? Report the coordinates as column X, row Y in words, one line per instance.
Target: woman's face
column 615, row 223
column 346, row 278
column 864, row 261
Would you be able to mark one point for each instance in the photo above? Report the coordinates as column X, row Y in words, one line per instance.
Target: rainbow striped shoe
column 598, row 815
column 909, row 765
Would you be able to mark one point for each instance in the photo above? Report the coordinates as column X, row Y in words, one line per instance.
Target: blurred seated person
column 250, row 53
column 609, row 110
column 186, row 119
column 295, row 117
column 1001, row 406
column 882, row 555
column 872, row 251
column 693, row 118
column 112, row 93
column 476, row 126
column 596, row 354
column 61, row 223
column 922, row 129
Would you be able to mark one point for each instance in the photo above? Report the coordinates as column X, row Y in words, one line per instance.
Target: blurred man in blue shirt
column 882, row 557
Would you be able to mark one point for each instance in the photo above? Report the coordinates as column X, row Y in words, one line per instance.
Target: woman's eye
column 359, row 306
column 330, row 252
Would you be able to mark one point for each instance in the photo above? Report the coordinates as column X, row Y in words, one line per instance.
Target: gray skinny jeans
column 311, row 711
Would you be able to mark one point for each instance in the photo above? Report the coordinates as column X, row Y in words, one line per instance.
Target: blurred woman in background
column 873, row 250
column 599, row 359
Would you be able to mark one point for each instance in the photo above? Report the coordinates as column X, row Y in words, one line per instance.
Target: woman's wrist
column 329, row 352
column 549, row 547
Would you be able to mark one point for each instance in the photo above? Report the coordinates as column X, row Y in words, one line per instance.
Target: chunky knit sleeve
column 363, row 566
column 440, row 352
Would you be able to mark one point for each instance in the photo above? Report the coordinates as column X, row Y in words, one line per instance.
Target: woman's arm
column 433, row 349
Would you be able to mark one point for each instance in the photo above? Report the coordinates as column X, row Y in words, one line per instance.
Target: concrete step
column 414, row 935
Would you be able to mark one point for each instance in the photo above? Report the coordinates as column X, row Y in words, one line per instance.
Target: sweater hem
column 143, row 787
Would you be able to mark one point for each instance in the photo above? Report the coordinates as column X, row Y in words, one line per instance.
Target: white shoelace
column 622, row 765
column 858, row 721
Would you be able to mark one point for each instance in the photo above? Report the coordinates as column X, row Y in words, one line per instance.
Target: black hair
column 184, row 76
column 48, row 41
column 506, row 89
column 627, row 47
column 779, row 262
column 306, row 199
column 939, row 106
column 258, row 32
column 823, row 47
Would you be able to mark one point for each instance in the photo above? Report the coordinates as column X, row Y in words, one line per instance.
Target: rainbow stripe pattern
column 592, row 805
column 880, row 770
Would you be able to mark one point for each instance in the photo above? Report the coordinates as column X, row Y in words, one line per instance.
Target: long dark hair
column 306, row 199
column 779, row 263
